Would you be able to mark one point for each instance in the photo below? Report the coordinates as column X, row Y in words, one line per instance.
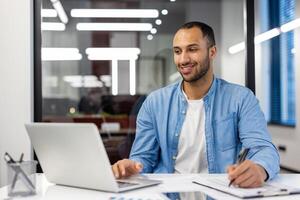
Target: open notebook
column 269, row 189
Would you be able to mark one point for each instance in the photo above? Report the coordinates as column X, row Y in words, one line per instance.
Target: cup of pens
column 21, row 176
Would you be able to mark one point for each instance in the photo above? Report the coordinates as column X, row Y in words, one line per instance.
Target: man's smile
column 186, row 69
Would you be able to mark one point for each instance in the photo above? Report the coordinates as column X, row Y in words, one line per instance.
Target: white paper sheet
column 268, row 189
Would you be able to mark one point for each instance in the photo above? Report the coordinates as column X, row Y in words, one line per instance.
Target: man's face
column 192, row 55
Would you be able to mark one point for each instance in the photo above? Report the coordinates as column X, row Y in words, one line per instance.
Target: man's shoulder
column 165, row 91
column 231, row 88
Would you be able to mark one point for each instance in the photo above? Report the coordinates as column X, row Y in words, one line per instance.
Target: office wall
column 15, row 78
column 232, row 29
column 209, row 12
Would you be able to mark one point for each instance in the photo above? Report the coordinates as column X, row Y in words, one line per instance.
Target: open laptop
column 73, row 154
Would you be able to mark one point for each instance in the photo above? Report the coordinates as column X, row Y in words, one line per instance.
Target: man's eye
column 193, row 49
column 176, row 51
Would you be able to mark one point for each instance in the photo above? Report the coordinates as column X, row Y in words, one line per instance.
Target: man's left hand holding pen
column 247, row 174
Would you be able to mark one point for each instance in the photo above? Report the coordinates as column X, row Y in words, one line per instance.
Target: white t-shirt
column 191, row 157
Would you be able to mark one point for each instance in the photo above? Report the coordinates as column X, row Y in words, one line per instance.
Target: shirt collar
column 208, row 94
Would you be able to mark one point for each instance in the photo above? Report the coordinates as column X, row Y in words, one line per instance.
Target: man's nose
column 184, row 58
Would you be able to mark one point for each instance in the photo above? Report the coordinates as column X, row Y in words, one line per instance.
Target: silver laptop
column 73, row 154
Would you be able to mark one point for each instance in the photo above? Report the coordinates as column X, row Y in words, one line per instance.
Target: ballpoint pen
column 241, row 158
column 21, row 158
column 16, row 175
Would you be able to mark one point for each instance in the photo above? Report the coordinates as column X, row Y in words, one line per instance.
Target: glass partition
column 100, row 59
column 276, row 21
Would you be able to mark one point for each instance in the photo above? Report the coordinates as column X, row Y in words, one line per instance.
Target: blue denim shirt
column 233, row 120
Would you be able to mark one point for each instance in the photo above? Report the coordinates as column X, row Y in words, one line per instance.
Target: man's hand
column 125, row 168
column 247, row 174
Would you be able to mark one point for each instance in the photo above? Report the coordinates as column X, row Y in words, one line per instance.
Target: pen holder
column 21, row 178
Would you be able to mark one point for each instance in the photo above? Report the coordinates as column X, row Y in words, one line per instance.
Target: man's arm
column 145, row 148
column 144, row 151
column 263, row 159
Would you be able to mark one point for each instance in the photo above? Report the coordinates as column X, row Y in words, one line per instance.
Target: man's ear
column 212, row 52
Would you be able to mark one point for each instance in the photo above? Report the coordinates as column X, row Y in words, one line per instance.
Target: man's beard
column 204, row 67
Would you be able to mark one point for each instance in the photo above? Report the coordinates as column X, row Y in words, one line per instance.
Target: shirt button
column 176, row 134
column 174, row 157
column 183, row 112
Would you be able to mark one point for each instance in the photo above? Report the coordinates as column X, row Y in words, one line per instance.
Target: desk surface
column 171, row 183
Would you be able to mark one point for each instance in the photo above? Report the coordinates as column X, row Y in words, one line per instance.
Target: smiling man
column 200, row 124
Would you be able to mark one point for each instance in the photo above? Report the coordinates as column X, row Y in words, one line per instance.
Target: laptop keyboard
column 123, row 184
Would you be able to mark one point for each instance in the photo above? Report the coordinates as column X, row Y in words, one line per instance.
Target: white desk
column 171, row 183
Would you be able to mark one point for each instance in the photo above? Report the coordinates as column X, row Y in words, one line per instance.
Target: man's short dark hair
column 207, row 31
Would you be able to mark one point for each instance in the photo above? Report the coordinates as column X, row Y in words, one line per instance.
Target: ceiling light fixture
column 115, row 13
column 153, row 30
column 52, row 26
column 52, row 54
column 83, row 81
column 237, row 48
column 60, row 11
column 114, row 26
column 132, row 77
column 164, row 12
column 267, row 35
column 149, row 37
column 111, row 53
column 158, row 22
column 116, row 54
column 290, row 25
column 48, row 13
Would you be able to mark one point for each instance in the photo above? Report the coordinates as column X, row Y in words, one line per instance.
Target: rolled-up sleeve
column 253, row 134
column 145, row 148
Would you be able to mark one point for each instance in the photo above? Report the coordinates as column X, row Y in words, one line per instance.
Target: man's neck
column 198, row 89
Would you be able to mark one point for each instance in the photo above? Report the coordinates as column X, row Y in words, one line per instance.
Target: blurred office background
column 88, row 69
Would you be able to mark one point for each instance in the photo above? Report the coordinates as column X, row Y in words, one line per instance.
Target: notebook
column 73, row 154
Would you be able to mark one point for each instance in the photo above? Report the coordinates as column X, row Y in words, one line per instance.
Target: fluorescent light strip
column 257, row 40
column 112, row 57
column 91, row 84
column 293, row 50
column 114, row 26
column 83, row 81
column 71, row 79
column 114, row 74
column 60, row 11
column 78, row 78
column 237, row 48
column 112, row 53
column 115, row 13
column 132, row 77
column 113, row 50
column 51, row 54
column 266, row 35
column 290, row 25
column 48, row 13
column 52, row 26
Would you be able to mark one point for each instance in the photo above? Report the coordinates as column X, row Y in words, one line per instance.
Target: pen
column 8, row 158
column 21, row 158
column 241, row 158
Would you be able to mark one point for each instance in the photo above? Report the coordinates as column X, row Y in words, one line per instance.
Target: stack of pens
column 21, row 176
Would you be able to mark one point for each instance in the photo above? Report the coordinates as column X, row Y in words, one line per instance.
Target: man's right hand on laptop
column 125, row 168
